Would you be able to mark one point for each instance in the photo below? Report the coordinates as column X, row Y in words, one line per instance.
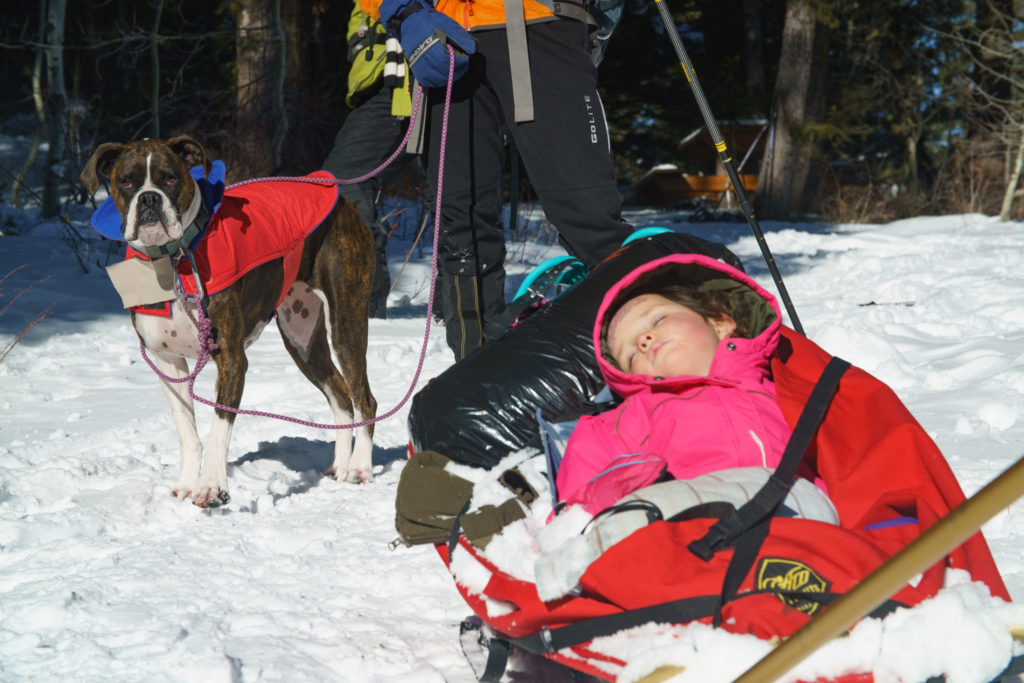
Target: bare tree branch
column 32, row 322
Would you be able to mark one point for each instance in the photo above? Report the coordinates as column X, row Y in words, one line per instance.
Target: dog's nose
column 149, row 200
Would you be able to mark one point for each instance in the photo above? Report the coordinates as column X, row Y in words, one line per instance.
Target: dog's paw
column 211, row 497
column 182, row 491
column 355, row 476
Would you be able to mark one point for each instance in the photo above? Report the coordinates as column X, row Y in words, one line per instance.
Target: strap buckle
column 721, row 534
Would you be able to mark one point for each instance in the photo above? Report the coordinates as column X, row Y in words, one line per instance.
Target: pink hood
column 743, row 361
column 692, row 424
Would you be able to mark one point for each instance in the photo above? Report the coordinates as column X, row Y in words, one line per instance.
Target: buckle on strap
column 546, row 641
column 721, row 534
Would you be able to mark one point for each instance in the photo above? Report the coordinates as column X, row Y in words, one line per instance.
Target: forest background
column 877, row 110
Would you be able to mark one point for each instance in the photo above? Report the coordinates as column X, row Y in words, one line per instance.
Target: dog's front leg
column 212, row 490
column 183, row 414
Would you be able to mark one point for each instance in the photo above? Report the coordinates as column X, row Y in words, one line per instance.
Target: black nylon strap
column 715, row 508
column 453, row 537
column 395, row 22
column 652, row 511
column 753, row 520
column 474, row 637
column 768, row 498
column 547, row 641
column 497, row 660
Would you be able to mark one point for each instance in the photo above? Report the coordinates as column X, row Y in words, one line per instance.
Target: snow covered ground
column 105, row 576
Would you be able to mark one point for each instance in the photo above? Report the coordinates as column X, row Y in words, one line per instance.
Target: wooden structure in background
column 666, row 184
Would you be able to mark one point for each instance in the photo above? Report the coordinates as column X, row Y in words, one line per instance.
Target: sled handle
column 956, row 527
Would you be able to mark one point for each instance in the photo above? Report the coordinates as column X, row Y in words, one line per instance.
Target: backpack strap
column 486, row 652
column 764, row 503
column 748, row 527
column 572, row 10
column 519, row 58
column 550, row 640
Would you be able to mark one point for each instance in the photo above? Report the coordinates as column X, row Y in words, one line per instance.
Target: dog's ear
column 100, row 165
column 191, row 152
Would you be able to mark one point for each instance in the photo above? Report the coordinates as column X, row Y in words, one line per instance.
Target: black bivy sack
column 485, row 407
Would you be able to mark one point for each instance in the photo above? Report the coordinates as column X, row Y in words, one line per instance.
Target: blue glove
column 423, row 33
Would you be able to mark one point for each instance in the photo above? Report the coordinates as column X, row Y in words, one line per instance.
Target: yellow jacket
column 367, row 56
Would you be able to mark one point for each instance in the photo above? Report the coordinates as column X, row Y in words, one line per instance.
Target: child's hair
column 709, row 304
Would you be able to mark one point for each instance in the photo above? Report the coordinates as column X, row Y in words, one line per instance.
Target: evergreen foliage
column 906, row 129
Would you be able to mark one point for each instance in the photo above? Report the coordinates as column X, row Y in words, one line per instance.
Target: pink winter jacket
column 731, row 418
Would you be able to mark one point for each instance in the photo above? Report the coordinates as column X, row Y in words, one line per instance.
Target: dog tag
column 141, row 282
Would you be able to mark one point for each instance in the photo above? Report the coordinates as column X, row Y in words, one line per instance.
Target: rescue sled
column 484, row 440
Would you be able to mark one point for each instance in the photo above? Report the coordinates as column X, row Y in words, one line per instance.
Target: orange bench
column 664, row 186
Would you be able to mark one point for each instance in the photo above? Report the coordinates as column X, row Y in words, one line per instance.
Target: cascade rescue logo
column 780, row 574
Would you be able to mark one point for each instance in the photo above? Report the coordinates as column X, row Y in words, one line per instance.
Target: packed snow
column 104, row 575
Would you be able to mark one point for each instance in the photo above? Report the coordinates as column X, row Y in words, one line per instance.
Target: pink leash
column 203, row 324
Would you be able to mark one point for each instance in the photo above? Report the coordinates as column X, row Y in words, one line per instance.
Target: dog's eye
column 125, row 183
column 169, row 181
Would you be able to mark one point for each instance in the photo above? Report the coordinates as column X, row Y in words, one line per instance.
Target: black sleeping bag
column 483, row 408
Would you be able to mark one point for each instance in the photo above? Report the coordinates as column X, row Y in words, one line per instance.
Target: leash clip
column 200, row 292
column 179, row 289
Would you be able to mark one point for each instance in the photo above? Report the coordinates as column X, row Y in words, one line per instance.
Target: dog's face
column 151, row 186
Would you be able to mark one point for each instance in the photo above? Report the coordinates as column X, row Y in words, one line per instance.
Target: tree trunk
column 37, row 100
column 992, row 85
column 913, row 178
column 279, row 62
column 788, row 183
column 303, row 144
column 56, row 108
column 253, row 155
column 154, row 70
column 1014, row 180
column 991, row 19
column 753, row 52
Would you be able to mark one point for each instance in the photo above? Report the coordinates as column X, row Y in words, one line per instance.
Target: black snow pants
column 565, row 151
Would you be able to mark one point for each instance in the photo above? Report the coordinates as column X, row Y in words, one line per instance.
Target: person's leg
column 472, row 250
column 368, row 136
column 565, row 149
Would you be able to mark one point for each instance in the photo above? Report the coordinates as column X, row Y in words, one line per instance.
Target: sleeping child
column 685, row 341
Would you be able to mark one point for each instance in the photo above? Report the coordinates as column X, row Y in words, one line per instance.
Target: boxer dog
column 326, row 305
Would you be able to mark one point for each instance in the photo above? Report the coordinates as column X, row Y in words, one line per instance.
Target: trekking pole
column 956, row 527
column 716, row 135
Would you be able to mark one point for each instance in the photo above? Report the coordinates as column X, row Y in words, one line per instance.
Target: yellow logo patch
column 779, row 574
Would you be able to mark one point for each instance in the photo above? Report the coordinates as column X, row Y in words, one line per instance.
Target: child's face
column 652, row 335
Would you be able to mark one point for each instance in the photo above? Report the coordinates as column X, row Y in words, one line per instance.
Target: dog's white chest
column 177, row 336
column 174, row 336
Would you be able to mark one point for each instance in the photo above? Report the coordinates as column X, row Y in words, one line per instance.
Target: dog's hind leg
column 349, row 339
column 182, row 411
column 302, row 323
column 343, row 277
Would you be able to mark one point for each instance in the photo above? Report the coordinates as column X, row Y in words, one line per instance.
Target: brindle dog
column 327, row 306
